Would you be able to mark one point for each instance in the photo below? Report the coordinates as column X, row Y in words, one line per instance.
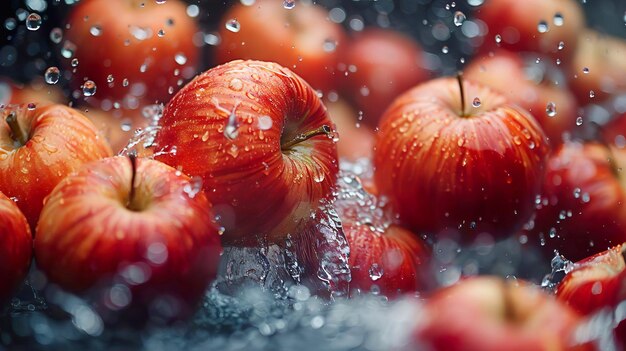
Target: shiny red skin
column 109, row 124
column 118, row 52
column 87, row 234
column 294, row 38
column 598, row 211
column 254, row 185
column 16, row 247
column 504, row 71
column 489, row 314
column 60, row 141
column 387, row 63
column 517, row 24
column 442, row 171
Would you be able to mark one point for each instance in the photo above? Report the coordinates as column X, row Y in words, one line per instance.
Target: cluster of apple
column 248, row 151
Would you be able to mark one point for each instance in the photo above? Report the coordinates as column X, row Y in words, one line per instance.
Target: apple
column 549, row 27
column 39, row 146
column 16, row 247
column 451, row 166
column 260, row 139
column 598, row 69
column 528, row 84
column 356, row 140
column 117, row 126
column 614, row 131
column 581, row 210
column 489, row 313
column 384, row 257
column 302, row 38
column 130, row 48
column 598, row 282
column 380, row 64
column 130, row 221
column 36, row 91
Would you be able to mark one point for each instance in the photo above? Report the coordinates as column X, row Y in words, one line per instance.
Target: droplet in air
column 459, row 18
column 289, row 4
column 592, row 94
column 160, row 1
column 33, row 22
column 444, row 49
column 585, row 70
column 498, row 38
column 161, row 33
column 52, row 75
column 542, row 27
column 74, row 62
column 551, row 109
column 89, row 88
column 561, row 46
column 329, row 45
column 248, row 2
column 56, row 35
column 233, row 25
column 375, row 272
column 558, row 19
column 180, row 58
column 110, row 78
column 96, row 31
column 579, row 121
column 476, row 102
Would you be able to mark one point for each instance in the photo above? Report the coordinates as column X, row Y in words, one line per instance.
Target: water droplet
column 160, row 1
column 459, row 18
column 542, row 27
column 56, row 35
column 475, row 2
column 235, row 84
column 329, row 45
column 585, row 70
column 96, row 31
column 33, row 21
column 551, row 109
column 233, row 25
column 31, row 106
column 180, row 58
column 89, row 88
column 592, row 94
column 248, row 2
column 125, row 82
column 110, row 78
column 375, row 272
column 289, row 4
column 68, row 49
column 74, row 62
column 498, row 38
column 558, row 19
column 579, row 121
column 52, row 75
column 444, row 49
column 161, row 33
column 265, row 122
column 561, row 45
column 476, row 102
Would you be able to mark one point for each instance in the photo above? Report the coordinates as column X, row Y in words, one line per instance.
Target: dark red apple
column 459, row 160
column 380, row 64
column 301, row 38
column 262, row 142
column 138, row 223
column 39, row 146
column 16, row 247
column 130, row 48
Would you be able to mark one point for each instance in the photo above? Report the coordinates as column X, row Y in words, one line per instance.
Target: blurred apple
column 117, row 126
column 36, row 92
column 356, row 140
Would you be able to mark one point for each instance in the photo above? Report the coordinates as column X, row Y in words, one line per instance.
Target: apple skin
column 445, row 173
column 16, row 247
column 488, row 313
column 387, row 64
column 581, row 180
column 356, row 140
column 109, row 124
column 294, row 38
column 603, row 56
column 91, row 230
column 269, row 106
column 121, row 49
column 60, row 140
column 517, row 23
column 505, row 72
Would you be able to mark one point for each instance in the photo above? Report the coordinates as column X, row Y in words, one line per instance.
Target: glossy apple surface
column 533, row 25
column 116, row 126
column 488, row 313
column 302, row 39
column 529, row 85
column 381, row 64
column 582, row 208
column 131, row 49
column 469, row 172
column 356, row 139
column 261, row 140
column 16, row 247
column 44, row 145
column 156, row 236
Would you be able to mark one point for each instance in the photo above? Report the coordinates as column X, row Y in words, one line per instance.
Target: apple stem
column 459, row 78
column 325, row 130
column 509, row 311
column 17, row 132
column 132, row 156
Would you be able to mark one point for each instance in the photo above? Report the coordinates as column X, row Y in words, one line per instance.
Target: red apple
column 380, row 64
column 550, row 27
column 488, row 313
column 34, row 92
column 384, row 257
column 139, row 223
column 614, row 132
column 582, row 208
column 598, row 68
column 117, row 126
column 553, row 106
column 356, row 140
column 301, row 38
column 596, row 283
column 16, row 247
column 261, row 140
column 38, row 147
column 452, row 166
column 131, row 48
